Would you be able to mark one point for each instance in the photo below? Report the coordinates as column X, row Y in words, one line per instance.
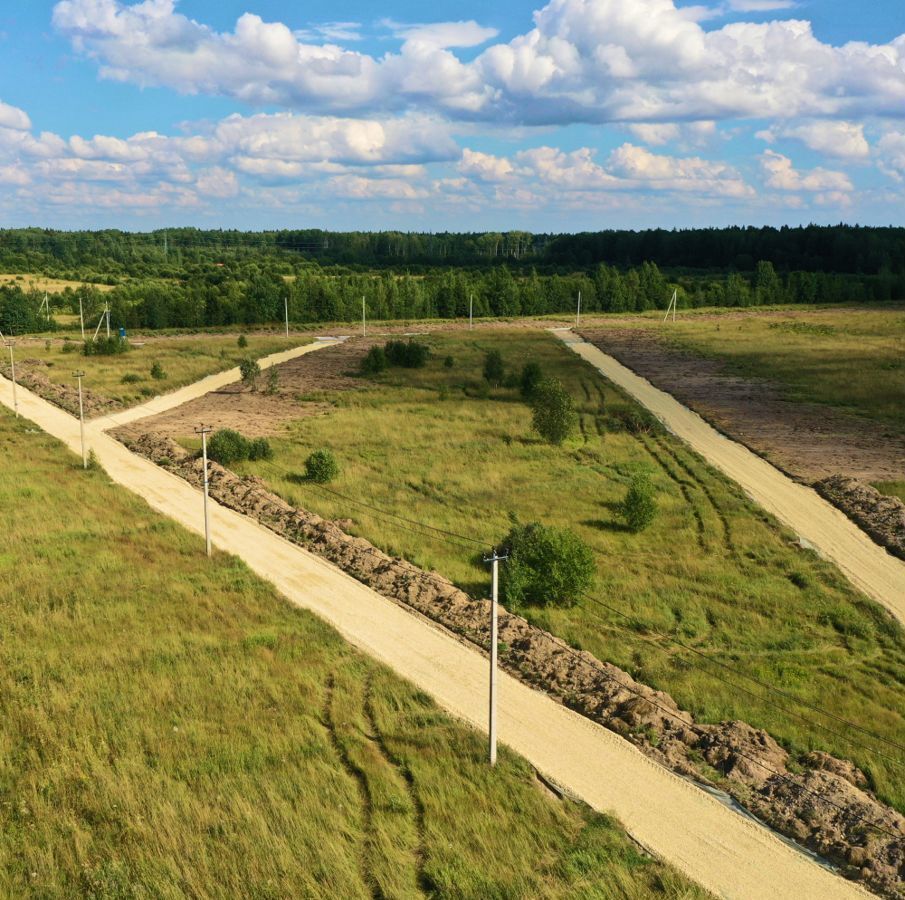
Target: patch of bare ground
column 820, row 801
column 257, row 413
column 30, row 375
column 807, row 440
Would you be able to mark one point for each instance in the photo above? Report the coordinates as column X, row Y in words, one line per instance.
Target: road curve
column 730, row 855
column 866, row 565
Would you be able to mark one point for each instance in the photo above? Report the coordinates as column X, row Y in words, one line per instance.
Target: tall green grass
column 713, row 571
column 169, row 728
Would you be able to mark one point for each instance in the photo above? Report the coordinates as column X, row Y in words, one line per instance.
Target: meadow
column 170, row 727
column 436, row 446
column 127, row 377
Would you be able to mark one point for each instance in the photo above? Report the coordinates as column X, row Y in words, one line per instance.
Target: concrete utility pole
column 80, row 376
column 286, row 304
column 471, row 312
column 494, row 561
column 204, row 431
column 12, row 371
column 364, row 318
column 82, row 318
column 108, row 321
column 578, row 314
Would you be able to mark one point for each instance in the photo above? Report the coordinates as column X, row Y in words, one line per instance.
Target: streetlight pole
column 495, row 559
column 204, row 431
column 12, row 370
column 80, row 376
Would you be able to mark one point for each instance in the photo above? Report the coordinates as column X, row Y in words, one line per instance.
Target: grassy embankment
column 854, row 361
column 713, row 570
column 183, row 360
column 169, row 727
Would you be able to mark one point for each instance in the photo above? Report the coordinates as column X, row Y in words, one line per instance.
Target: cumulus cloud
column 891, row 150
column 583, row 61
column 780, row 174
column 13, row 117
column 844, row 140
column 657, row 134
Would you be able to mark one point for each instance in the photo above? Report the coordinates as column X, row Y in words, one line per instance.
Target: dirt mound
column 65, row 396
column 826, row 806
column 882, row 517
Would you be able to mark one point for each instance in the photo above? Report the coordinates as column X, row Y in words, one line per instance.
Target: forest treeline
column 251, row 294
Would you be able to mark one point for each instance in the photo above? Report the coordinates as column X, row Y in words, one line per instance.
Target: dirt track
column 728, row 854
column 867, row 566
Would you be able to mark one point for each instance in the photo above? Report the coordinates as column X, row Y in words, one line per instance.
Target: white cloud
column 832, row 138
column 583, row 61
column 217, row 182
column 658, row 134
column 758, row 6
column 13, row 117
column 443, row 34
column 484, row 166
column 780, row 174
column 891, row 150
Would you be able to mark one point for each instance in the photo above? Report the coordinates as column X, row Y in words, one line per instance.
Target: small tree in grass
column 242, row 342
column 321, row 467
column 639, row 508
column 375, row 361
column 532, row 375
column 227, row 446
column 554, row 416
column 251, row 371
column 273, row 380
column 547, row 566
column 157, row 372
column 494, row 369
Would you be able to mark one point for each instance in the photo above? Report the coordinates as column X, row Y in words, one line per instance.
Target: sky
column 573, row 115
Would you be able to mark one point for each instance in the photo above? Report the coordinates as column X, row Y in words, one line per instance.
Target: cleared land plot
column 713, row 571
column 170, row 727
column 29, row 282
column 125, row 379
column 817, row 391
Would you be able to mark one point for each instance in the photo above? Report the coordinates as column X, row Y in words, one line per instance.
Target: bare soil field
column 808, row 440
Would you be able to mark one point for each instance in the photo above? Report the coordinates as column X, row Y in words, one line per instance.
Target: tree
column 494, row 369
column 639, row 508
column 767, row 286
column 375, row 361
column 554, row 416
column 250, row 371
column 321, row 467
column 273, row 380
column 532, row 375
column 547, row 566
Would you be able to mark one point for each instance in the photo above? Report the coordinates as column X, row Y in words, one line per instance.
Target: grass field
column 169, row 727
column 713, row 571
column 183, row 359
column 30, row 282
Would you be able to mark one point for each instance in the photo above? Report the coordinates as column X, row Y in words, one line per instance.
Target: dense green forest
column 183, row 278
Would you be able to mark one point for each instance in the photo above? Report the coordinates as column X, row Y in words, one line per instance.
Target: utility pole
column 471, row 312
column 82, row 317
column 204, row 431
column 108, row 321
column 364, row 318
column 12, row 370
column 165, row 249
column 494, row 561
column 80, row 376
column 578, row 314
column 286, row 305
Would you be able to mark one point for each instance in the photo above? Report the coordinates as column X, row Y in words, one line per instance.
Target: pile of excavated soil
column 825, row 806
column 882, row 517
column 29, row 375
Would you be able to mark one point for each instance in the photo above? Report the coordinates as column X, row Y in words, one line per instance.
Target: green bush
column 532, row 375
column 547, row 566
column 69, row 346
column 639, row 508
column 259, row 448
column 553, row 415
column 375, row 361
column 105, row 346
column 242, row 342
column 449, row 362
column 494, row 369
column 131, row 378
column 157, row 372
column 273, row 380
column 227, row 446
column 250, row 371
column 408, row 354
column 321, row 467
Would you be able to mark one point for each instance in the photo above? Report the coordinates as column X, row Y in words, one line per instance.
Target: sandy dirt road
column 723, row 851
column 868, row 566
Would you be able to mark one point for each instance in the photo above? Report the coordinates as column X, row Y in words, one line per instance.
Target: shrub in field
column 547, row 566
column 532, row 375
column 259, row 448
column 408, row 354
column 494, row 369
column 157, row 372
column 250, row 371
column 105, row 346
column 375, row 361
column 69, row 346
column 227, row 446
column 242, row 342
column 449, row 362
column 634, row 420
column 553, row 414
column 321, row 467
column 639, row 508
column 273, row 380
column 131, row 378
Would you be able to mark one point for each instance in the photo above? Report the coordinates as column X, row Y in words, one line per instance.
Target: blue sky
column 575, row 114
